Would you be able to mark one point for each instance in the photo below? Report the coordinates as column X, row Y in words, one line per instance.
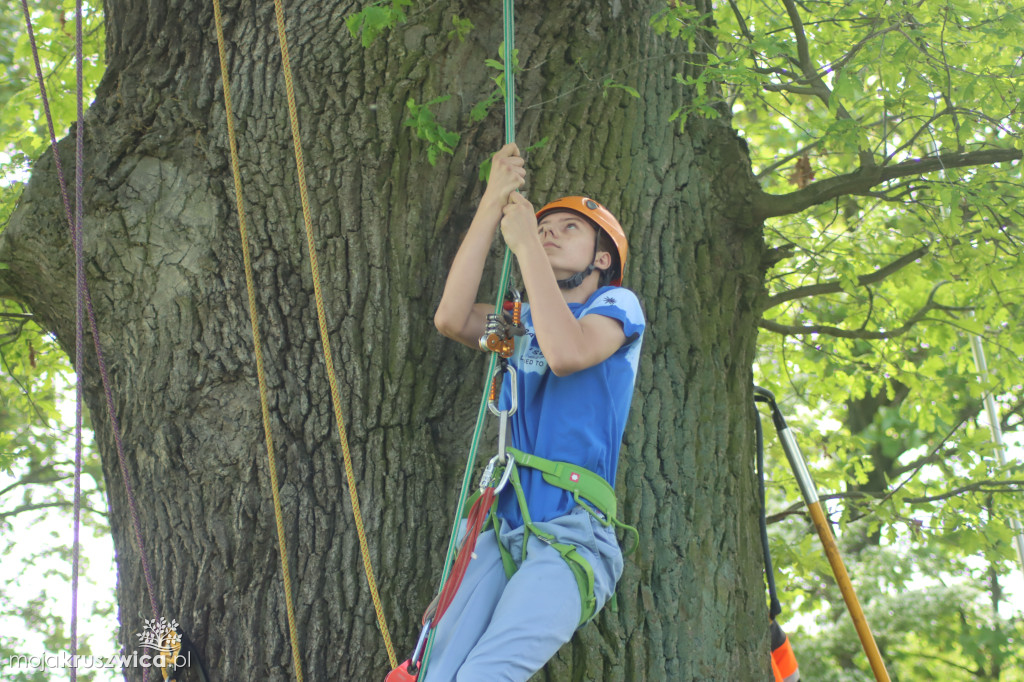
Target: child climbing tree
column 165, row 267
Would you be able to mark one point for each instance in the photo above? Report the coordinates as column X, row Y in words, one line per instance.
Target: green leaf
column 610, row 84
column 462, row 28
column 422, row 120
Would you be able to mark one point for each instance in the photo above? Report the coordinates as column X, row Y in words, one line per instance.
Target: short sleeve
column 619, row 304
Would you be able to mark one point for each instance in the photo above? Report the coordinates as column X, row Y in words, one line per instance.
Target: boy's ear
column 603, row 260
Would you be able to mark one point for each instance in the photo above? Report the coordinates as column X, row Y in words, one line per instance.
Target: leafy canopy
column 886, row 138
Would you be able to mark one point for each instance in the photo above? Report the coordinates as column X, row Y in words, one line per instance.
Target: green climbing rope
column 508, row 23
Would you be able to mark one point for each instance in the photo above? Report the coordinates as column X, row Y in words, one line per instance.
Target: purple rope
column 76, row 234
column 49, row 117
column 83, row 293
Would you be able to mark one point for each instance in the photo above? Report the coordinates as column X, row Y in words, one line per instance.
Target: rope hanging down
column 508, row 31
column 332, row 377
column 86, row 299
column 322, row 321
column 76, row 234
column 257, row 346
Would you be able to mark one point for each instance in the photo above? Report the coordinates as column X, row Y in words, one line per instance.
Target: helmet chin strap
column 577, row 279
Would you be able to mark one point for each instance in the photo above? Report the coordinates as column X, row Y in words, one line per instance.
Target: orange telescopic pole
column 835, row 560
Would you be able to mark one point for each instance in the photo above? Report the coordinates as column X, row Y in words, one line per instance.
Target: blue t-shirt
column 578, row 418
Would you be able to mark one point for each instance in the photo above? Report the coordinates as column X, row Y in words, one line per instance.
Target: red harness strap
column 409, row 670
column 474, row 524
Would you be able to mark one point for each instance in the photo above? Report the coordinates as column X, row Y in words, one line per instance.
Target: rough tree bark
column 164, row 265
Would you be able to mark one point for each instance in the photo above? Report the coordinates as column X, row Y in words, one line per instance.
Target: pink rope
column 84, row 297
column 76, row 234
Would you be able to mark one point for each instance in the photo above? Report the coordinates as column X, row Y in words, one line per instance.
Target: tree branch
column 28, row 480
column 792, row 89
column 47, row 505
column 786, row 159
column 837, row 332
column 797, row 330
column 834, row 286
column 741, row 21
column 860, row 181
column 1008, row 486
column 813, row 77
column 804, row 61
column 974, row 672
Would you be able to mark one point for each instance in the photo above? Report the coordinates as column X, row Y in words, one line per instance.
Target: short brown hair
column 605, row 243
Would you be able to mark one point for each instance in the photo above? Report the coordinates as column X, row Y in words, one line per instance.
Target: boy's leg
column 539, row 610
column 470, row 611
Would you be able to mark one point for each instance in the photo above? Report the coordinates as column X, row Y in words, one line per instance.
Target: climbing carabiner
column 510, row 462
column 410, row 669
column 501, row 459
column 417, row 652
column 492, row 404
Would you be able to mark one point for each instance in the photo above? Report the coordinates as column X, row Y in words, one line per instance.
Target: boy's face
column 568, row 240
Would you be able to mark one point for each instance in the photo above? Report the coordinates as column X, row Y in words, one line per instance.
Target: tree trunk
column 165, row 269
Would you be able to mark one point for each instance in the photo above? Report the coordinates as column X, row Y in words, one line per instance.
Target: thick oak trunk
column 165, row 270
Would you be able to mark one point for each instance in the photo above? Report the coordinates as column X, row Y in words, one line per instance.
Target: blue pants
column 505, row 629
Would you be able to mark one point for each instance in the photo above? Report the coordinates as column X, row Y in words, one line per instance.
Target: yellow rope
column 332, row 379
column 257, row 346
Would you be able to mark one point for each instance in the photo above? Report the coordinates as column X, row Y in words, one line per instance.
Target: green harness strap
column 588, row 489
column 591, row 492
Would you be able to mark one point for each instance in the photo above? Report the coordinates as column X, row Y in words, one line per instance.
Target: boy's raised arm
column 458, row 315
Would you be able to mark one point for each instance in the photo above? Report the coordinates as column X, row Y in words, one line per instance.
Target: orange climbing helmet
column 602, row 218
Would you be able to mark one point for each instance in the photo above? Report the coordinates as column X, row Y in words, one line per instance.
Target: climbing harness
column 810, row 495
column 591, row 492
